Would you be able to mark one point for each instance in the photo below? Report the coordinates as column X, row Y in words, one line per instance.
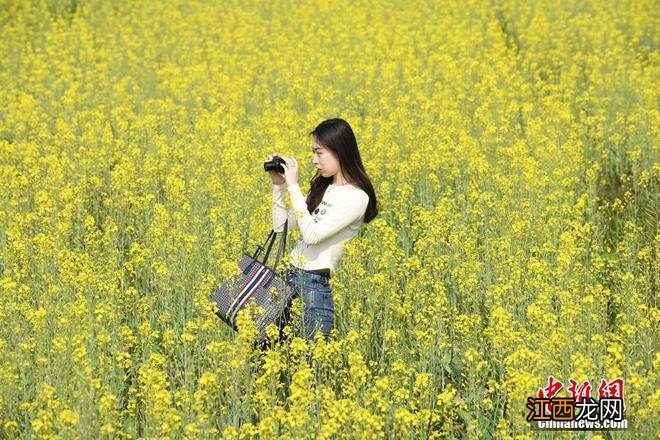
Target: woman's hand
column 276, row 177
column 290, row 170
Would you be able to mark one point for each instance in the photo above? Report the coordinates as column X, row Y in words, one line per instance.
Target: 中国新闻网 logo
column 579, row 410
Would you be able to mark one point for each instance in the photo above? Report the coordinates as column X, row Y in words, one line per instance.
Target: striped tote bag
column 257, row 283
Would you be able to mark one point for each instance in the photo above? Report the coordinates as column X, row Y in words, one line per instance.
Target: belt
column 315, row 272
column 319, row 272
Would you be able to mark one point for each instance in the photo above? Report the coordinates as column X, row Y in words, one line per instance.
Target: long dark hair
column 336, row 135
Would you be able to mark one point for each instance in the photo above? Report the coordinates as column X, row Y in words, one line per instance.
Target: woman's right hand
column 276, row 177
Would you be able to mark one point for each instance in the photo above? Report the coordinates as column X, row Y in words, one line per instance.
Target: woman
column 340, row 200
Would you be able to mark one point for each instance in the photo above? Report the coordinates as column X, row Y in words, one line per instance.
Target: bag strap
column 282, row 246
column 270, row 241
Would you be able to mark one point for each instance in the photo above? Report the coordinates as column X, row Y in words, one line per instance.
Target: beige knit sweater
column 335, row 221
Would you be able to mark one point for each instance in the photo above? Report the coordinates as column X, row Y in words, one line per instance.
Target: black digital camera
column 274, row 165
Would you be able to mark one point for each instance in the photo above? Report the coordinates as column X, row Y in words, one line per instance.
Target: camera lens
column 274, row 165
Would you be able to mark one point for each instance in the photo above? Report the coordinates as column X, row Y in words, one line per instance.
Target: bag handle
column 270, row 241
column 282, row 246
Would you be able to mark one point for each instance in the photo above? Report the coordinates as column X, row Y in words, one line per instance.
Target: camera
column 274, row 165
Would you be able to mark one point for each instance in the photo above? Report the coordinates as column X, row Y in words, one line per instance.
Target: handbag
column 258, row 283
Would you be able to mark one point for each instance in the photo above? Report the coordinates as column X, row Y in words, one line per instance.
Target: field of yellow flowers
column 512, row 145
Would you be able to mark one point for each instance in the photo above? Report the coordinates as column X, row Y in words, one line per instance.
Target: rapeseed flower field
column 512, row 146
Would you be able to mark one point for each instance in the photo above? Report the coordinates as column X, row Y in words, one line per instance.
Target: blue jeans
column 316, row 296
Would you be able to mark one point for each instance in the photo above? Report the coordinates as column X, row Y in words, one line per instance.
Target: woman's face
column 325, row 161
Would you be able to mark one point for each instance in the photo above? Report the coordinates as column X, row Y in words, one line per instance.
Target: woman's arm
column 280, row 214
column 316, row 229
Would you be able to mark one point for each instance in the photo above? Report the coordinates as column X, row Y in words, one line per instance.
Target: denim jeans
column 316, row 296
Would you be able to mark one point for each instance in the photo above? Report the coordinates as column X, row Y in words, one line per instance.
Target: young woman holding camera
column 341, row 199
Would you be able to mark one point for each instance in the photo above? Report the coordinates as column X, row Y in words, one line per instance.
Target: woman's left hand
column 290, row 170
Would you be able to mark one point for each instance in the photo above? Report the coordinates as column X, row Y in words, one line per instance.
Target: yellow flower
column 68, row 417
